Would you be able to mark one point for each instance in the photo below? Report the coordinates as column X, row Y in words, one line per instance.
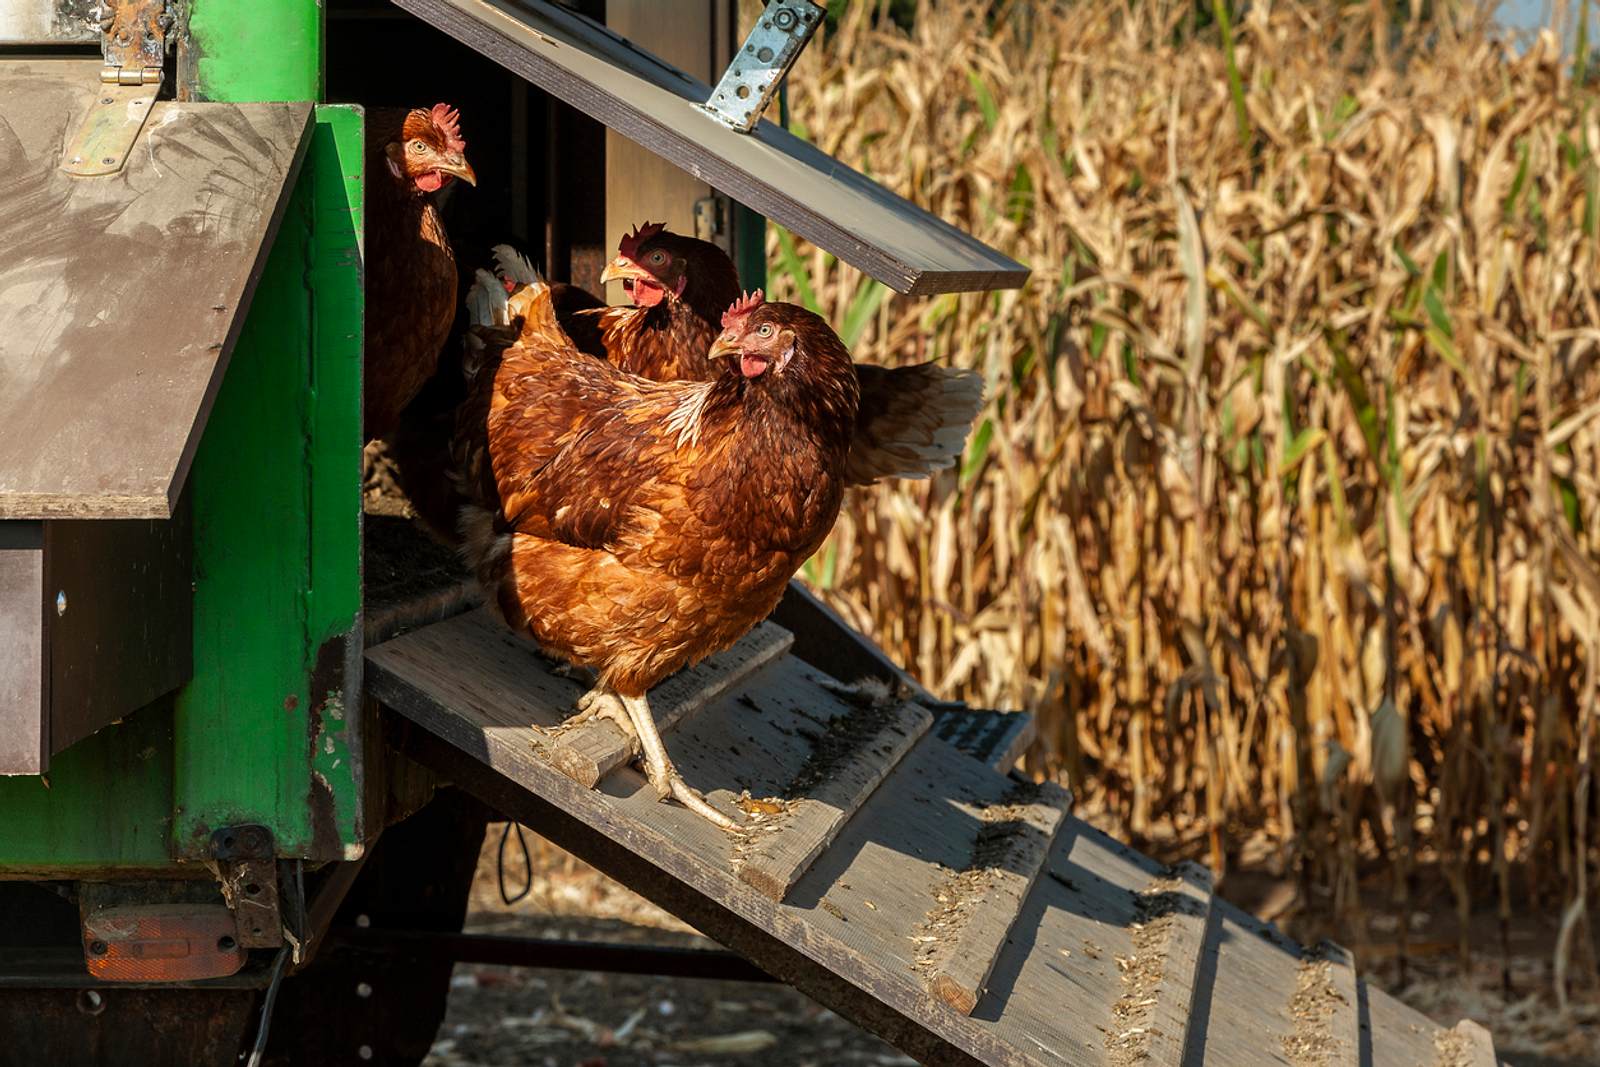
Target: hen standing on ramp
column 642, row 525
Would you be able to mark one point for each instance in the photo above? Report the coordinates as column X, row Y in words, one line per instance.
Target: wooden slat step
column 1345, row 1023
column 1467, row 1044
column 997, row 738
column 1152, row 1017
column 974, row 910
column 593, row 749
column 855, row 754
column 1324, row 1020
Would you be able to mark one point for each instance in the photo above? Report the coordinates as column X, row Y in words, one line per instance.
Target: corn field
column 1283, row 515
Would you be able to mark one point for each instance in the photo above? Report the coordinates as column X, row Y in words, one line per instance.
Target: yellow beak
column 457, row 166
column 722, row 346
column 622, row 269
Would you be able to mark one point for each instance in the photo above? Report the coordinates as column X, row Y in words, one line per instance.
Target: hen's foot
column 659, row 769
column 601, row 703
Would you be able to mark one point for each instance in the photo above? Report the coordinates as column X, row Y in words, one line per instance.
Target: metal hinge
column 133, row 43
column 775, row 42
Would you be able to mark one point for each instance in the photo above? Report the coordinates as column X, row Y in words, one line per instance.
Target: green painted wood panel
column 264, row 732
column 260, row 734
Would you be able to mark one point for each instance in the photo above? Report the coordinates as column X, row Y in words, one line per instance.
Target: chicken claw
column 659, row 769
column 602, row 703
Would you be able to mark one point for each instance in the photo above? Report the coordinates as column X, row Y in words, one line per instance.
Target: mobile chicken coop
column 239, row 781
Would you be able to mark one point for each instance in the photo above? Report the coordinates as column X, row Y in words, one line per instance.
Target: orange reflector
column 162, row 943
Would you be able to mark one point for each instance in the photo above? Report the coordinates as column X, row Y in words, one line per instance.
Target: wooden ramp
column 964, row 915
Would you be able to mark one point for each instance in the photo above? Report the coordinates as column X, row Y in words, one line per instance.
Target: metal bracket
column 248, row 873
column 758, row 68
column 133, row 42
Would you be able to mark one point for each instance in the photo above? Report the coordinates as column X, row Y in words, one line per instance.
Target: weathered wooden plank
column 1345, row 1021
column 1240, row 1014
column 769, row 169
column 1396, row 1035
column 121, row 296
column 1153, row 1014
column 1467, row 1044
column 868, row 743
column 847, row 931
column 593, row 749
column 998, row 738
column 1324, row 1021
column 976, row 907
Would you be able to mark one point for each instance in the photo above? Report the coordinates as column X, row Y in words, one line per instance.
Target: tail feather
column 487, row 303
column 513, row 266
column 913, row 420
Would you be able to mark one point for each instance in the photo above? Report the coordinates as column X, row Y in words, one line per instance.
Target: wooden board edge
column 269, row 239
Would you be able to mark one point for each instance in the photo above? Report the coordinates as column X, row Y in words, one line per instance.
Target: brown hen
column 410, row 269
column 639, row 526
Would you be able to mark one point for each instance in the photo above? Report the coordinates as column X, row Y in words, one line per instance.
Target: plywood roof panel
column 121, row 296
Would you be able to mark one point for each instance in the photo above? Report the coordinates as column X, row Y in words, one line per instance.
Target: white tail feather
column 513, row 266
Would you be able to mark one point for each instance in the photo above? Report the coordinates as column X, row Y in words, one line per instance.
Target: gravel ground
column 521, row 1016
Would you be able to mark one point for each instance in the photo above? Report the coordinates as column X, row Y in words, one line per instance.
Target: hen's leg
column 660, row 770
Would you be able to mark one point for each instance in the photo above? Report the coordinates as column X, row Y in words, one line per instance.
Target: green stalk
column 1235, row 81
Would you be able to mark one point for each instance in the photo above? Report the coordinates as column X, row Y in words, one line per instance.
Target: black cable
column 267, row 1004
column 500, row 864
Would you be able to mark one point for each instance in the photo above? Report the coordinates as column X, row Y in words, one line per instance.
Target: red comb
column 447, row 119
column 741, row 309
column 629, row 245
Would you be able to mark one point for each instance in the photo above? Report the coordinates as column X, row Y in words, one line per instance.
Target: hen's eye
column 418, row 146
column 766, row 330
column 658, row 256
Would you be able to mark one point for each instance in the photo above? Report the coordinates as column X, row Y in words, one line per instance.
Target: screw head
column 108, row 160
column 98, row 948
column 785, row 19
